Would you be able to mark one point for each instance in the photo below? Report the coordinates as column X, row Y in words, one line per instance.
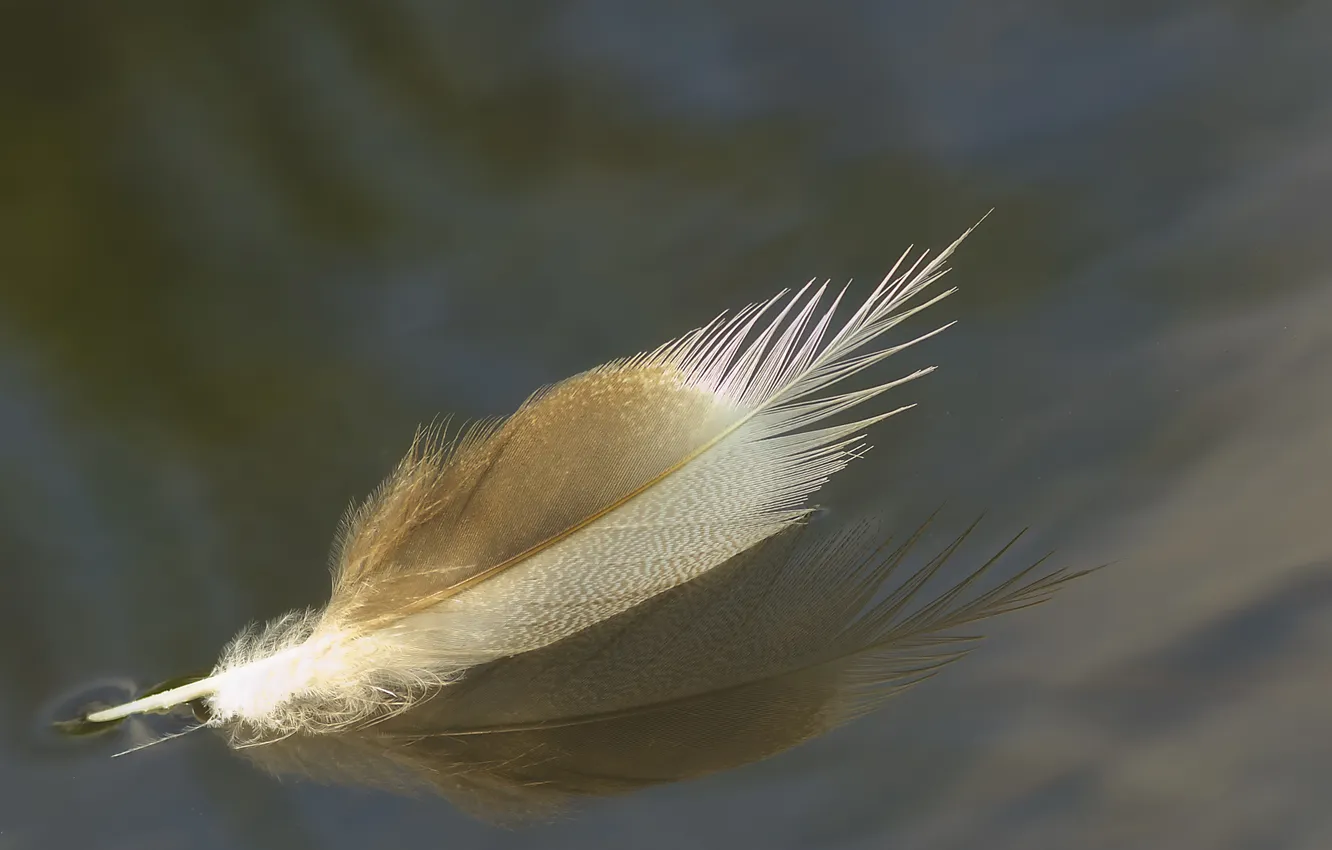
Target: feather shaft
column 161, row 701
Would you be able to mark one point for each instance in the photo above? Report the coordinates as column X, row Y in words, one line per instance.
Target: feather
column 612, row 588
column 598, row 494
column 782, row 643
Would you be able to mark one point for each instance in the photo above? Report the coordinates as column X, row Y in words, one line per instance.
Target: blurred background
column 245, row 248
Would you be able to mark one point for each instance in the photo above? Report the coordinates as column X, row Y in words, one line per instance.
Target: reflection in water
column 778, row 645
column 244, row 253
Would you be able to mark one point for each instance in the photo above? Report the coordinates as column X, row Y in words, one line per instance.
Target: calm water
column 243, row 253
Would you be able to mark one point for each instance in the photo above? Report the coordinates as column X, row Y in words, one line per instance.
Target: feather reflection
column 782, row 643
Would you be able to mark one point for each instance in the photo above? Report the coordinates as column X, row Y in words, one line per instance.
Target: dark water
column 245, row 250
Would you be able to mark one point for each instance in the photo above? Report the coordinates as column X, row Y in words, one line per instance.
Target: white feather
column 763, row 388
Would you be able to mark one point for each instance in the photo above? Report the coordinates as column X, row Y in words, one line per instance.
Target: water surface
column 244, row 252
